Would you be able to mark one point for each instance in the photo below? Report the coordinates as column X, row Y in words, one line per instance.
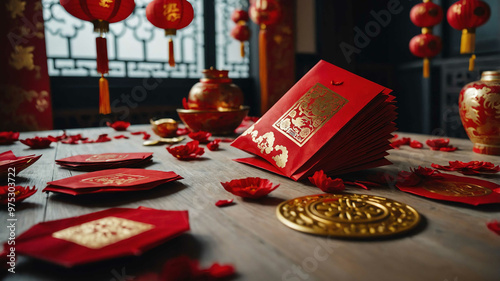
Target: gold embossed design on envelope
column 102, row 232
column 309, row 114
column 114, row 179
column 106, row 157
column 457, row 189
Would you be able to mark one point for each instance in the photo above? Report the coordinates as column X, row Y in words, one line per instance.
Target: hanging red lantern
column 170, row 15
column 426, row 45
column 101, row 13
column 467, row 15
column 240, row 32
column 264, row 13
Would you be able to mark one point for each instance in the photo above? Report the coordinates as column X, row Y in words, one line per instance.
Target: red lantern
column 467, row 15
column 425, row 45
column 264, row 13
column 240, row 32
column 170, row 15
column 101, row 13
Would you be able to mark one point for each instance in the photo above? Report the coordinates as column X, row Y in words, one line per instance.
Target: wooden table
column 453, row 242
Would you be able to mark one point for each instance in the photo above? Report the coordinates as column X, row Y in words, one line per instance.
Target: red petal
column 200, row 136
column 213, row 145
column 416, row 144
column 222, row 203
column 37, row 142
column 325, row 183
column 138, row 133
column 252, row 187
column 121, row 137
column 119, row 125
column 494, row 226
column 20, row 192
column 186, row 152
column 146, row 136
column 221, row 271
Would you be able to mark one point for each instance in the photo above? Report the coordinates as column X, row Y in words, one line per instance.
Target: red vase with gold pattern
column 479, row 106
column 215, row 91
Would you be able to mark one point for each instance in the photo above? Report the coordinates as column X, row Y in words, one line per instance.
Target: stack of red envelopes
column 9, row 163
column 112, row 233
column 331, row 120
column 114, row 180
column 93, row 162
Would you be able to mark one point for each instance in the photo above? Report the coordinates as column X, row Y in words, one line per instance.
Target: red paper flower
column 249, row 187
column 416, row 144
column 440, row 144
column 184, row 269
column 20, row 192
column 187, row 152
column 325, row 183
column 415, row 176
column 121, row 137
column 37, row 142
column 494, row 226
column 213, row 145
column 470, row 168
column 200, row 136
column 222, row 203
column 396, row 143
column 118, row 125
column 8, row 137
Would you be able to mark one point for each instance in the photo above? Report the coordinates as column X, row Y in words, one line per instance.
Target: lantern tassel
column 472, row 62
column 426, row 68
column 104, row 105
column 468, row 42
column 171, row 59
column 102, row 55
column 242, row 49
column 264, row 95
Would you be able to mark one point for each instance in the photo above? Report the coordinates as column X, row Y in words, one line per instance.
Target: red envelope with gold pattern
column 112, row 233
column 9, row 163
column 92, row 162
column 114, row 180
column 455, row 188
column 330, row 120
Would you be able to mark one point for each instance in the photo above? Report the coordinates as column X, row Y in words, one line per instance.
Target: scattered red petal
column 121, row 137
column 415, row 176
column 325, row 183
column 222, row 203
column 470, row 168
column 8, row 137
column 118, row 125
column 146, row 136
column 494, row 226
column 20, row 192
column 182, row 131
column 440, row 144
column 218, row 271
column 362, row 184
column 138, row 133
column 213, row 145
column 37, row 142
column 58, row 138
column 448, row 148
column 200, row 136
column 416, row 144
column 184, row 269
column 189, row 151
column 103, row 138
column 226, row 140
column 396, row 143
column 249, row 187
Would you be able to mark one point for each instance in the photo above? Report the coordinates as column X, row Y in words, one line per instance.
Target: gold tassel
column 468, row 42
column 426, row 68
column 472, row 62
column 104, row 105
column 171, row 59
column 264, row 95
column 242, row 49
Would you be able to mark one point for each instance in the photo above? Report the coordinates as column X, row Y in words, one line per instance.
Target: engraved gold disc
column 347, row 215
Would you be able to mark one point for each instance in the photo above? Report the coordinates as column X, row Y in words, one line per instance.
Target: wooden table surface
column 452, row 243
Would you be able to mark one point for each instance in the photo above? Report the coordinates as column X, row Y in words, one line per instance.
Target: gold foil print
column 309, row 114
column 22, row 57
column 16, row 8
column 114, row 179
column 347, row 215
column 106, row 157
column 456, row 189
column 266, row 145
column 102, row 232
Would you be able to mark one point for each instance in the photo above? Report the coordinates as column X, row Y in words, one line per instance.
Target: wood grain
column 452, row 243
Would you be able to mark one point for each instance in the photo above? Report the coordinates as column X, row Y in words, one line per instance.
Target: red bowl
column 217, row 122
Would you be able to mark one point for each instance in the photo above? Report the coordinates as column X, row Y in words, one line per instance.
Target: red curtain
column 25, row 103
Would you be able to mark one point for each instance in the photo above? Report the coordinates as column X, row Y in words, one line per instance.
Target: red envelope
column 114, row 180
column 9, row 163
column 455, row 188
column 92, row 162
column 331, row 120
column 112, row 233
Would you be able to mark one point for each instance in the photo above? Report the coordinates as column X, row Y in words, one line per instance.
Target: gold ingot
column 348, row 215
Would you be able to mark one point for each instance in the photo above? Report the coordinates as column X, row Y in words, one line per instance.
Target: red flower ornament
column 213, row 145
column 20, row 192
column 118, row 125
column 37, row 142
column 189, row 151
column 470, row 168
column 200, row 136
column 251, row 187
column 8, row 137
column 441, row 145
column 325, row 183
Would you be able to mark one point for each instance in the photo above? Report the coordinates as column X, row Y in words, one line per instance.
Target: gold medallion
column 347, row 215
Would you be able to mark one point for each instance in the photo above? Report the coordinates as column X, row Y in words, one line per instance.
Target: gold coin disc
column 348, row 215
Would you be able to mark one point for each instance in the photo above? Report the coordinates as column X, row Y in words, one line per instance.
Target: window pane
column 227, row 48
column 135, row 47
